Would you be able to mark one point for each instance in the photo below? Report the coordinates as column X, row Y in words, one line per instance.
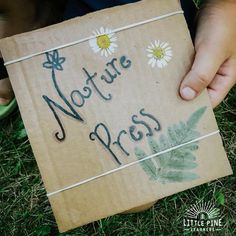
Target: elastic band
column 130, row 164
column 93, row 36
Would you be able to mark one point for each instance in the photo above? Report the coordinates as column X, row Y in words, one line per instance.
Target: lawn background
column 25, row 210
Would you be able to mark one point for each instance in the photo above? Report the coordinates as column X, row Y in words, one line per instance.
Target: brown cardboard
column 77, row 157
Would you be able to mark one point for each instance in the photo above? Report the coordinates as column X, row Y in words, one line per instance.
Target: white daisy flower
column 159, row 54
column 104, row 42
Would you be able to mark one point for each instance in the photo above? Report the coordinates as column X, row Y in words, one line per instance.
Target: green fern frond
column 176, row 165
column 195, row 117
column 147, row 165
column 177, row 176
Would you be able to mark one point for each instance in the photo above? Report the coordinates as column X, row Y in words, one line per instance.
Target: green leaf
column 153, row 145
column 220, row 198
column 18, row 167
column 195, row 117
column 177, row 176
column 44, row 230
column 21, row 134
column 177, row 164
column 147, row 165
column 20, row 131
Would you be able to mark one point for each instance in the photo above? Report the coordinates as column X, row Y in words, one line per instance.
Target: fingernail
column 188, row 93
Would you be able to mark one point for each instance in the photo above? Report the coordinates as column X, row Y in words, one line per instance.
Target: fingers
column 207, row 62
column 5, row 89
column 6, row 92
column 222, row 83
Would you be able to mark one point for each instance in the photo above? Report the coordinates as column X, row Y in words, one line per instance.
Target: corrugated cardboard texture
column 139, row 86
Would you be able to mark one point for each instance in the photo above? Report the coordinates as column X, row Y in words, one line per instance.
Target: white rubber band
column 92, row 37
column 130, row 164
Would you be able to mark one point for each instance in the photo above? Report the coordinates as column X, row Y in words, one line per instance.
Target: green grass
column 25, row 210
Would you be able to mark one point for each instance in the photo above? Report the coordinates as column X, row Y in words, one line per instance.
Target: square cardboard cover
column 98, row 94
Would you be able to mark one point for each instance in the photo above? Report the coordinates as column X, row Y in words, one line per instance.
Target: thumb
column 207, row 62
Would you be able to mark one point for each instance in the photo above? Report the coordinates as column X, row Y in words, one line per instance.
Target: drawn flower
column 159, row 54
column 104, row 42
column 54, row 61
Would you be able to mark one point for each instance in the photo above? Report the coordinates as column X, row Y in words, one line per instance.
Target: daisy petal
column 164, row 45
column 109, row 51
column 102, row 30
column 168, row 48
column 167, row 58
column 106, row 53
column 151, row 61
column 154, row 63
column 149, row 50
column 164, row 63
column 113, row 45
column 169, row 53
column 110, row 34
column 159, row 64
column 97, row 50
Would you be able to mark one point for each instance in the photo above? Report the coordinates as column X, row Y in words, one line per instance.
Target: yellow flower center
column 103, row 41
column 159, row 53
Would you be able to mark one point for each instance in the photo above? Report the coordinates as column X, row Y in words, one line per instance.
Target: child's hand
column 214, row 66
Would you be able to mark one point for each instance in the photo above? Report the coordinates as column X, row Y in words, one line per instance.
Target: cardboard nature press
column 97, row 95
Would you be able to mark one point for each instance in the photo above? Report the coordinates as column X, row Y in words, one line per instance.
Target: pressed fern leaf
column 176, row 165
column 177, row 176
column 195, row 117
column 147, row 165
